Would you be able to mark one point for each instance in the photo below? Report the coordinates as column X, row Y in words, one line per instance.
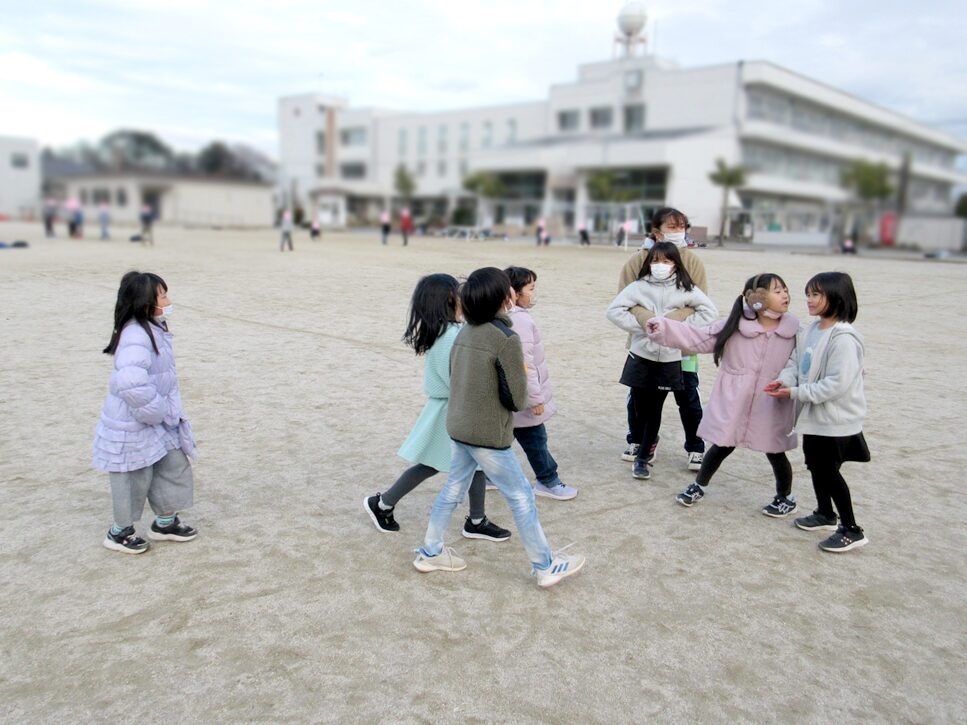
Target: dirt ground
column 291, row 607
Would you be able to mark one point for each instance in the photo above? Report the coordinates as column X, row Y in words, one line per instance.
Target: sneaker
column 690, row 495
column 640, row 470
column 557, row 491
column 125, row 542
column 816, row 522
column 695, row 461
column 486, row 529
column 382, row 518
column 631, row 452
column 844, row 539
column 176, row 531
column 446, row 560
column 652, row 451
column 780, row 506
column 562, row 565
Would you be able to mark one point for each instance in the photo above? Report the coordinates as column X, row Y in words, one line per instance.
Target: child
column 529, row 427
column 143, row 439
column 287, row 227
column 488, row 382
column 432, row 328
column 652, row 371
column 824, row 376
column 752, row 345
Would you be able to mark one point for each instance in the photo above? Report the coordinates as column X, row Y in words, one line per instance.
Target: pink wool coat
column 739, row 413
column 538, row 379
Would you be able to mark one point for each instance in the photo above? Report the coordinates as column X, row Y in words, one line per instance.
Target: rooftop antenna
column 631, row 23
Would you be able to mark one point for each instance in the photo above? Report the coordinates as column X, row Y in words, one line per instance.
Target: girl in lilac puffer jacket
column 143, row 440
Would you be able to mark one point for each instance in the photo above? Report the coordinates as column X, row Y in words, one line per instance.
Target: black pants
column 716, row 454
column 689, row 410
column 417, row 474
column 823, row 459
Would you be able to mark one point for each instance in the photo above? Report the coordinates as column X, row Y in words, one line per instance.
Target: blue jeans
column 533, row 439
column 503, row 470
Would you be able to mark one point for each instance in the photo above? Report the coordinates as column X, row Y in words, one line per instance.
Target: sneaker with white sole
column 780, row 506
column 690, row 495
column 640, row 470
column 126, row 542
column 562, row 565
column 382, row 518
column 446, row 560
column 558, row 491
column 695, row 459
column 631, row 452
column 816, row 522
column 486, row 529
column 844, row 540
column 175, row 531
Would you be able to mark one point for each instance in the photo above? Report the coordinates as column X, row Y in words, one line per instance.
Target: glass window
column 421, row 168
column 83, row 196
column 355, row 136
column 441, row 139
column 511, row 130
column 320, row 142
column 463, row 168
column 441, row 168
column 352, row 171
column 634, row 118
column 464, row 136
column 568, row 120
column 421, row 141
column 401, row 142
column 487, row 138
column 601, row 117
column 101, row 196
column 19, row 160
column 320, row 170
column 121, row 197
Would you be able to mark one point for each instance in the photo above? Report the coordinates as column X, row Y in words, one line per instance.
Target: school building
column 658, row 130
column 19, row 178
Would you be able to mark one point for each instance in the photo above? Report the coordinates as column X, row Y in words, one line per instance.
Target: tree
column 404, row 182
column 488, row 186
column 132, row 149
column 217, row 159
column 728, row 177
column 600, row 186
column 870, row 184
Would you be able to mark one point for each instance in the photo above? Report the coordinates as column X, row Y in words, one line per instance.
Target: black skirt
column 838, row 449
column 640, row 372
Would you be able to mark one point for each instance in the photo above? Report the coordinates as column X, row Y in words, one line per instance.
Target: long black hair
column 669, row 251
column 841, row 302
column 432, row 308
column 137, row 299
column 754, row 292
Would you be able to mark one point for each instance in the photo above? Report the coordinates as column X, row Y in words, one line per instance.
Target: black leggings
column 716, row 454
column 822, row 460
column 415, row 475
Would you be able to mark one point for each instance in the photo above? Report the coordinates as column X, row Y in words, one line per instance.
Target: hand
column 774, row 385
column 538, row 409
column 778, row 392
column 652, row 326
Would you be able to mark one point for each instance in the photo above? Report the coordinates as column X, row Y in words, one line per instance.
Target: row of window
column 601, row 118
column 102, row 195
column 775, row 107
column 356, row 170
column 19, row 160
column 463, row 138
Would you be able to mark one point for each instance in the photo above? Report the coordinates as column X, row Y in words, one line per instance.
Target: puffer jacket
column 142, row 418
column 538, row 379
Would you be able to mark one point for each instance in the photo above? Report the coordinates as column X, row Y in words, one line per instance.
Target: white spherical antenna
column 631, row 19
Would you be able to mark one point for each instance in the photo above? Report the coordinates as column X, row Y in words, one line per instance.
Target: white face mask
column 165, row 313
column 676, row 238
column 661, row 271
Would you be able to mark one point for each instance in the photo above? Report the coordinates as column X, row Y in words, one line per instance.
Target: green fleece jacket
column 488, row 383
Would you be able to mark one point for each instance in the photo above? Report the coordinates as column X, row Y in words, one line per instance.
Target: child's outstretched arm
column 680, row 336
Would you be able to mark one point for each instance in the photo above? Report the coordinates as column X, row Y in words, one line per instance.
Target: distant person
column 147, row 222
column 50, row 217
column 583, row 236
column 78, row 218
column 529, row 429
column 384, row 223
column 620, row 237
column 286, row 231
column 143, row 439
column 433, row 326
column 545, row 239
column 104, row 218
column 539, row 231
column 488, row 383
column 824, row 376
column 848, row 246
column 406, row 225
column 314, row 229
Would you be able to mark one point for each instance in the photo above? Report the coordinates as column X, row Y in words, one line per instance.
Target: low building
column 19, row 178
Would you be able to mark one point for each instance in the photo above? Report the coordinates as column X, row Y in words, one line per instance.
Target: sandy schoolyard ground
column 291, row 607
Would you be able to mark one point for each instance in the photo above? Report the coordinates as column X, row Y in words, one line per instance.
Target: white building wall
column 19, row 177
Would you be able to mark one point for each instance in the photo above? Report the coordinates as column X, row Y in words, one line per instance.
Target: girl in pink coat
column 752, row 346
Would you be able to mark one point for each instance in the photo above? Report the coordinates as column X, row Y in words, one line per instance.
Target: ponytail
column 730, row 327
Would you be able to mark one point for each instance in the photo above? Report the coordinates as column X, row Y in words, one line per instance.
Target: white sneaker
column 562, row 565
column 446, row 560
column 560, row 492
column 695, row 461
column 630, row 452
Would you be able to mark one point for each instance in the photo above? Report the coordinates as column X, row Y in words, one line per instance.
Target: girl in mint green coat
column 433, row 326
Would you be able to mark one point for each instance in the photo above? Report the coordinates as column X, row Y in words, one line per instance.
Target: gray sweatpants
column 168, row 486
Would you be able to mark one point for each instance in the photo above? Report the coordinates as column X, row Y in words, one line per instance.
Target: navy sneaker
column 176, row 531
column 486, row 529
column 780, row 506
column 125, row 542
column 690, row 495
column 640, row 470
column 816, row 522
column 845, row 539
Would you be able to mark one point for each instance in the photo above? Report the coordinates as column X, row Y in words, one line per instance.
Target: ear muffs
column 755, row 298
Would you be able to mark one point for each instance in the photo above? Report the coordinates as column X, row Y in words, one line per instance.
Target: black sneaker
column 652, row 452
column 125, row 542
column 640, row 470
column 486, row 529
column 176, row 531
column 844, row 539
column 816, row 522
column 690, row 495
column 780, row 506
column 382, row 519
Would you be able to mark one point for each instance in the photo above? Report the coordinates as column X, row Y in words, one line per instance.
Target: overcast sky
column 197, row 70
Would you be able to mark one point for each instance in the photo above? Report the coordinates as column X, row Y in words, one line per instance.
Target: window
column 634, row 119
column 421, row 168
column 601, row 117
column 296, row 112
column 421, row 142
column 441, row 168
column 83, row 196
column 320, row 142
column 320, row 170
column 355, row 136
column 401, row 142
column 464, row 170
column 487, row 137
column 121, row 197
column 464, row 136
column 101, row 196
column 511, row 130
column 568, row 120
column 352, row 171
column 441, row 139
column 19, row 160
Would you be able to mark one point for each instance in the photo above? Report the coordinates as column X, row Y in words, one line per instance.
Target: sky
column 195, row 71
